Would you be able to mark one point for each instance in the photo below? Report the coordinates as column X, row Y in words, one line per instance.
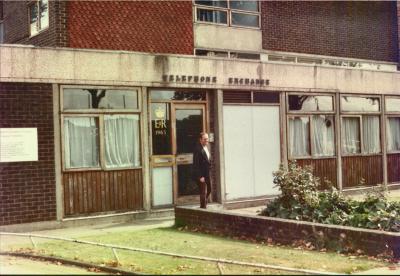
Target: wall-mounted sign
column 248, row 81
column 213, row 80
column 189, row 79
column 18, row 144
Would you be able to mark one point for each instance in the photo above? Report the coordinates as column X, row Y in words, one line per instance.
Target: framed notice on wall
column 18, row 144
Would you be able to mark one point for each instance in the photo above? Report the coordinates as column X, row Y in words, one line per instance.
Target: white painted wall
column 252, row 150
column 95, row 67
column 227, row 38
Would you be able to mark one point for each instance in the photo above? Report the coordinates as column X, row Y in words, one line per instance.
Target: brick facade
column 147, row 26
column 365, row 30
column 16, row 29
column 27, row 189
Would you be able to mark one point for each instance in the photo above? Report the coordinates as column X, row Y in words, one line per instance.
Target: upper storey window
column 230, row 13
column 38, row 16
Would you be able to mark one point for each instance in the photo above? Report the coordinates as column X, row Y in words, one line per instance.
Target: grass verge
column 184, row 242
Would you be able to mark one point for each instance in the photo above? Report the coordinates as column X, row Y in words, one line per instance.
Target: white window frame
column 390, row 114
column 99, row 114
column 229, row 12
column 38, row 22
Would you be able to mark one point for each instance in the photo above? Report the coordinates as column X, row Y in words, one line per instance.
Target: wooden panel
column 323, row 168
column 354, row 168
column 92, row 192
column 393, row 167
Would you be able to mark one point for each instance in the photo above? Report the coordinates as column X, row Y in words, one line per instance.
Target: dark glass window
column 214, row 16
column 221, row 4
column 78, row 98
column 244, row 5
column 310, row 103
column 171, row 95
column 246, row 20
column 161, row 128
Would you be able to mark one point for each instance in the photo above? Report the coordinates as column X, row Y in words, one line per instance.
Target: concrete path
column 16, row 265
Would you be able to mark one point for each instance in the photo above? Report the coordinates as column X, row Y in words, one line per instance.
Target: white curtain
column 122, row 141
column 393, row 134
column 323, row 138
column 371, row 134
column 299, row 137
column 351, row 135
column 80, row 142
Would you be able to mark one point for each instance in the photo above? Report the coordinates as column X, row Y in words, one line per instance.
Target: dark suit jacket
column 201, row 164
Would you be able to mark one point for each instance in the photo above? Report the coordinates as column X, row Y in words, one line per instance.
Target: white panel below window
column 162, row 186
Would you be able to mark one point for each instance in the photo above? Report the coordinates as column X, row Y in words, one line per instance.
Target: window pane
column 244, row 5
column 310, row 103
column 393, row 104
column 323, row 135
column 161, row 128
column 247, row 20
column 299, row 137
column 33, row 14
column 204, row 15
column 170, row 95
column 359, row 103
column 351, row 142
column 393, row 134
column 81, row 147
column 44, row 14
column 221, row 4
column 76, row 98
column 245, row 55
column 121, row 136
column 371, row 134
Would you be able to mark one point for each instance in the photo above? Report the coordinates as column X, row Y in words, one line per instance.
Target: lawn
column 184, row 242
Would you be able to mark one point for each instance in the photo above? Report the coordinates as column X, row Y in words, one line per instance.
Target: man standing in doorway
column 201, row 168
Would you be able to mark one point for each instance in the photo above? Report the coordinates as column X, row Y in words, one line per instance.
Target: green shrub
column 300, row 199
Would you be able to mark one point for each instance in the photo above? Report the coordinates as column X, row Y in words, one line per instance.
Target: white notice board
column 18, row 144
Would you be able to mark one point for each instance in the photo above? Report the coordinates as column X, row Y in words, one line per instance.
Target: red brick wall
column 16, row 24
column 27, row 189
column 148, row 26
column 365, row 30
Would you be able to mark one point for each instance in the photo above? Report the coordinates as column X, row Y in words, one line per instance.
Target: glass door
column 189, row 121
column 174, row 129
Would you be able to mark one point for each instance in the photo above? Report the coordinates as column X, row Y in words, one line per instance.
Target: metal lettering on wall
column 248, row 81
column 213, row 80
column 189, row 79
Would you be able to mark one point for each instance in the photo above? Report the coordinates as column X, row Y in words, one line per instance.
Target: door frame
column 183, row 106
column 204, row 105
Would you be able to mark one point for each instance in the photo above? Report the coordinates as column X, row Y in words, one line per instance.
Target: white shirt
column 207, row 152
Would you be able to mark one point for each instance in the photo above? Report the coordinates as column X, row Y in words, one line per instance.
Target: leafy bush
column 301, row 199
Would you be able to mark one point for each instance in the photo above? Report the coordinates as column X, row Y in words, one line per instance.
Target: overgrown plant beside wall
column 300, row 199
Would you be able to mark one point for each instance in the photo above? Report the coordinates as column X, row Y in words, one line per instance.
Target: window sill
column 227, row 25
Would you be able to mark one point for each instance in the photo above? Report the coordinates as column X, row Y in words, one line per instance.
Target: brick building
column 114, row 94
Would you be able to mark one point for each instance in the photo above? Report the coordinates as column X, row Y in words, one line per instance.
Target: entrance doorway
column 175, row 126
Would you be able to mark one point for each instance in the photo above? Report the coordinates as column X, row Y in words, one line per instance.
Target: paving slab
column 16, row 265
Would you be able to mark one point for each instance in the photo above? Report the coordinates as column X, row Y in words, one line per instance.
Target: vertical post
column 338, row 143
column 57, row 153
column 219, row 142
column 115, row 255
column 144, row 134
column 283, row 132
column 383, row 141
column 33, row 243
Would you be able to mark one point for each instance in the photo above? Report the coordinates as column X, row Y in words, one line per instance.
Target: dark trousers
column 205, row 191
